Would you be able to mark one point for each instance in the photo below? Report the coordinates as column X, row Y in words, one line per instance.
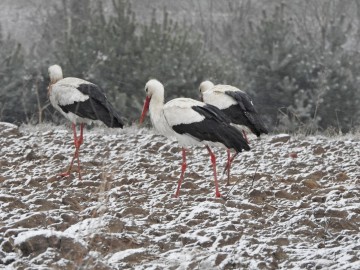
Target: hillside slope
column 294, row 204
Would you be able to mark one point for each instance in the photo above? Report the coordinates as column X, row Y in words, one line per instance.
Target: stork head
column 153, row 89
column 205, row 86
column 55, row 73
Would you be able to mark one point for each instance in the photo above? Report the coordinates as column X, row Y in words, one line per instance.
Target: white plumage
column 237, row 105
column 178, row 111
column 215, row 95
column 191, row 122
column 65, row 92
column 81, row 102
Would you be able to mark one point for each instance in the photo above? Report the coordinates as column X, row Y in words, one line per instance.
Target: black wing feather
column 215, row 128
column 97, row 107
column 245, row 115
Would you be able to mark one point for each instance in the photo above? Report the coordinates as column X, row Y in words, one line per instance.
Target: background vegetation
column 298, row 60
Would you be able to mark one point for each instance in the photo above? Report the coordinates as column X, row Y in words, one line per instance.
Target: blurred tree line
column 295, row 62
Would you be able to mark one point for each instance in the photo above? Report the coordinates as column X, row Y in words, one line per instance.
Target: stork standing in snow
column 81, row 102
column 238, row 106
column 191, row 122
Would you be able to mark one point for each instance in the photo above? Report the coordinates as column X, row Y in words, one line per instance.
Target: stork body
column 81, row 102
column 191, row 123
column 238, row 106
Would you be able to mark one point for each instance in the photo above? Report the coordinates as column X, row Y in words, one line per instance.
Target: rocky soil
column 294, row 203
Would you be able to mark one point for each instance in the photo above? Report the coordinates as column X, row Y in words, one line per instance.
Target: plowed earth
column 294, row 202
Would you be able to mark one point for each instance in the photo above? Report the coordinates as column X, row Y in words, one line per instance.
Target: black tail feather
column 215, row 127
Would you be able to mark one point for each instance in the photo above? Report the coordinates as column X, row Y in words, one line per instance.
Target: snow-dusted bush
column 11, row 74
column 120, row 54
column 301, row 76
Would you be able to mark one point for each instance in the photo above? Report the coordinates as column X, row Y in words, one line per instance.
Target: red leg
column 81, row 139
column 67, row 173
column 79, row 142
column 213, row 161
column 245, row 136
column 183, row 168
column 228, row 165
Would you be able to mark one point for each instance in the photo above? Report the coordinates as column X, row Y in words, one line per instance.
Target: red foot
column 64, row 174
column 78, row 141
column 183, row 166
column 217, row 195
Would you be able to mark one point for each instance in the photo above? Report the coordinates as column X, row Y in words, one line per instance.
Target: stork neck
column 54, row 80
column 156, row 105
column 156, row 111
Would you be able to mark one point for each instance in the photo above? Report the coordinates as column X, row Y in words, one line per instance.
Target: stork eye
column 146, row 89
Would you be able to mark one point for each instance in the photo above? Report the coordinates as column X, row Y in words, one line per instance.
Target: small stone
column 282, row 194
column 257, row 196
column 319, row 199
column 319, row 151
column 2, row 178
column 342, row 177
column 282, row 241
column 291, row 171
column 31, row 221
column 336, row 213
column 7, row 247
column 280, row 138
column 219, row 258
column 226, row 238
column 30, row 155
column 317, row 175
column 279, row 254
column 72, row 202
column 189, row 185
column 109, row 242
column 58, row 157
column 310, row 183
column 32, row 243
column 262, row 265
column 69, row 218
column 134, row 211
column 45, row 205
column 7, row 198
column 304, row 205
column 319, row 213
column 243, row 206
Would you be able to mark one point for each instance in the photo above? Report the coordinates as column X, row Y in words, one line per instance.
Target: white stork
column 81, row 102
column 238, row 106
column 191, row 122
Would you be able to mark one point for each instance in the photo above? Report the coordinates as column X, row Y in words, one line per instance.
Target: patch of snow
column 121, row 255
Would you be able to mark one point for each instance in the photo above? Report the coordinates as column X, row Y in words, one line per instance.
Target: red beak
column 145, row 109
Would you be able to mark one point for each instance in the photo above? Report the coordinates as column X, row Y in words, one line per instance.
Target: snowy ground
column 293, row 204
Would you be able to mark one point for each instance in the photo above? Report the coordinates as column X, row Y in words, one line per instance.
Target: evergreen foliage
column 298, row 81
column 11, row 76
column 298, row 68
column 120, row 55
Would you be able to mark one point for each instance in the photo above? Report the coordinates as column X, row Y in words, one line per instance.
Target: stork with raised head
column 238, row 106
column 192, row 123
column 81, row 102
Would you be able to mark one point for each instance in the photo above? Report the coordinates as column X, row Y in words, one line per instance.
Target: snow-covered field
column 293, row 204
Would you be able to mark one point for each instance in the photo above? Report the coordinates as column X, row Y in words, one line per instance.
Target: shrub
column 297, row 82
column 120, row 55
column 12, row 73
